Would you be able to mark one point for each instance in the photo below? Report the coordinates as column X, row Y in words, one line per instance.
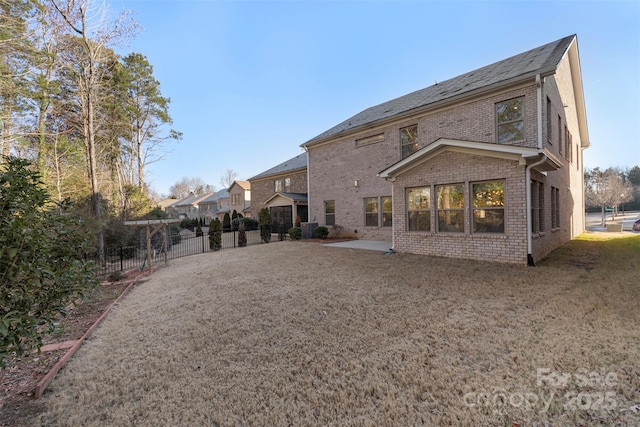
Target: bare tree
column 606, row 188
column 227, row 179
column 97, row 35
column 186, row 186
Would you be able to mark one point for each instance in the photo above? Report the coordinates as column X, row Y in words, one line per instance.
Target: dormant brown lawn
column 295, row 333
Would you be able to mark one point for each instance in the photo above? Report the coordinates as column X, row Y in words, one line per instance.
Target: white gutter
column 308, row 192
column 527, row 174
column 527, row 180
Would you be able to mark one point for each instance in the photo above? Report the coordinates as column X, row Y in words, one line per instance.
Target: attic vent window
column 374, row 139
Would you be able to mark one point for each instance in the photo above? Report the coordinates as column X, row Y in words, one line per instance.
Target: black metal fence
column 185, row 243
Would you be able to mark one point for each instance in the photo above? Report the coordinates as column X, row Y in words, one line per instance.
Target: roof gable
column 244, row 185
column 541, row 60
column 298, row 162
column 523, row 155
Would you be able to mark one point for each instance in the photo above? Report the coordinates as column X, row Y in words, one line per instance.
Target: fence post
column 202, row 242
column 121, row 258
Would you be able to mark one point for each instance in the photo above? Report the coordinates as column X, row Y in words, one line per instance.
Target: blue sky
column 250, row 81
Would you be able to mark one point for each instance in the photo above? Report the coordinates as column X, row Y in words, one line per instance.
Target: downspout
column 539, row 102
column 527, row 175
column 393, row 223
column 306, row 150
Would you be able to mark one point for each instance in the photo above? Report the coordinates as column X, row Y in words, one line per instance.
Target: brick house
column 282, row 189
column 187, row 207
column 486, row 165
column 240, row 194
column 215, row 206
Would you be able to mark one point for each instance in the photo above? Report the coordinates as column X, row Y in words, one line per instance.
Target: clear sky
column 250, row 81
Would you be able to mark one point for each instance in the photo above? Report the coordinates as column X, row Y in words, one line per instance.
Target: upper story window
column 510, row 121
column 409, row 140
column 277, row 185
column 235, row 199
column 287, row 184
column 549, row 120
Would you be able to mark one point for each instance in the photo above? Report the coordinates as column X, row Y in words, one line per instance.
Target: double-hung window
column 409, row 140
column 510, row 121
column 371, row 211
column 419, row 209
column 488, row 207
column 387, row 211
column 378, row 211
column 329, row 212
column 450, row 208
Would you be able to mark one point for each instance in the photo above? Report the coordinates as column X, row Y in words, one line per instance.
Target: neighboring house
column 188, row 207
column 215, row 206
column 487, row 165
column 282, row 189
column 164, row 204
column 240, row 193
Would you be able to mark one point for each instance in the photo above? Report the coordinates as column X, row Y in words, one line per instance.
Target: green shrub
column 226, row 222
column 295, row 233
column 199, row 232
column 321, row 232
column 215, row 235
column 264, row 218
column 249, row 224
column 242, row 235
column 42, row 268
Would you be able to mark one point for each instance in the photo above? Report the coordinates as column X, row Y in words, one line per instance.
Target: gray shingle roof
column 221, row 194
column 541, row 60
column 298, row 162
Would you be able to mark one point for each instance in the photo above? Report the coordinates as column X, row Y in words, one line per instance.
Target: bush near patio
column 295, row 233
column 321, row 232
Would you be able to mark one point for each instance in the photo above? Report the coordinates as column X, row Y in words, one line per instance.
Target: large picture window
column 330, row 212
column 419, row 209
column 488, row 207
column 409, row 140
column 450, row 208
column 371, row 211
column 510, row 121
